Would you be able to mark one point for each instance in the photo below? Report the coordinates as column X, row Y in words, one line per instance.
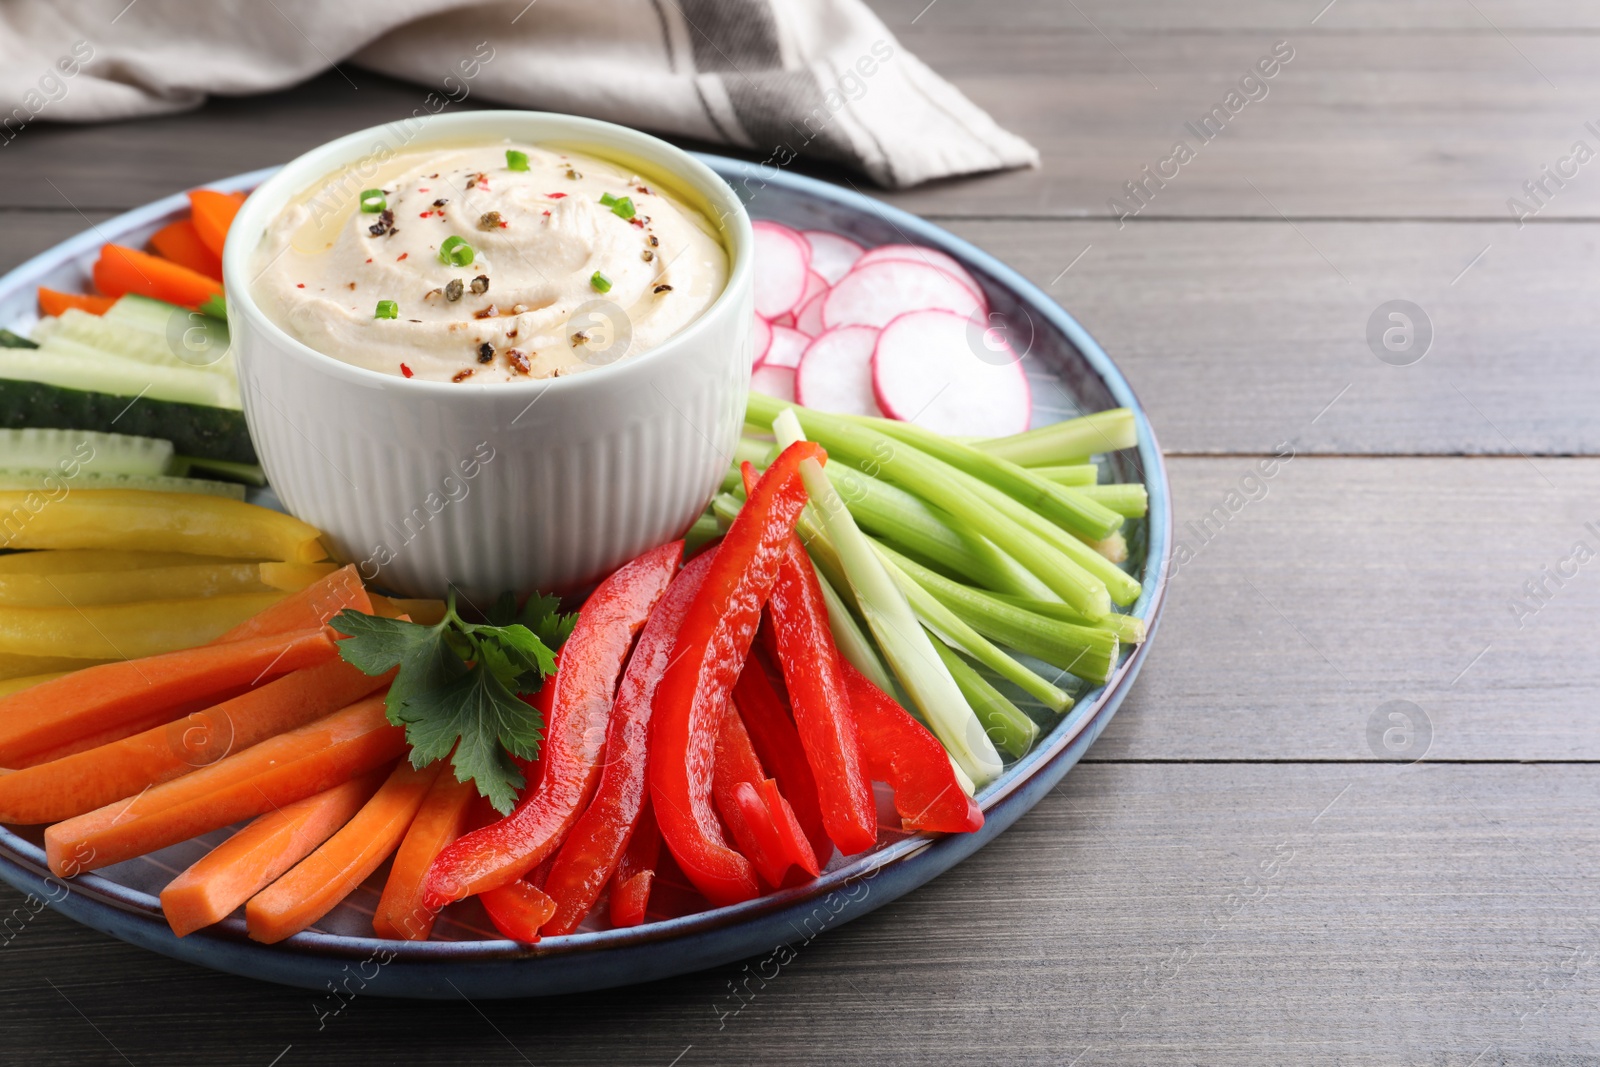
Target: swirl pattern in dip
column 559, row 262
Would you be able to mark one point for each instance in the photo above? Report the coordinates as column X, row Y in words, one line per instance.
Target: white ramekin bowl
column 518, row 485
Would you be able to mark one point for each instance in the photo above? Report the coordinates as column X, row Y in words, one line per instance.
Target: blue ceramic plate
column 1070, row 375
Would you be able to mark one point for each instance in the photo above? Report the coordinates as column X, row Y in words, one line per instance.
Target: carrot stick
column 331, row 873
column 180, row 242
column 50, row 792
column 213, row 213
column 98, row 698
column 253, row 858
column 312, row 606
column 121, row 270
column 149, row 721
column 443, row 817
column 17, row 685
column 278, row 771
column 52, row 302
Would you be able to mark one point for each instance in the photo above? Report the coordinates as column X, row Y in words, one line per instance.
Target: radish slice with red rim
column 929, row 256
column 774, row 381
column 874, row 293
column 782, row 262
column 808, row 320
column 832, row 256
column 816, row 284
column 951, row 375
column 835, row 374
column 788, row 344
column 760, row 340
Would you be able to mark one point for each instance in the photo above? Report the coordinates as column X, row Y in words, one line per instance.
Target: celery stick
column 1072, row 441
column 761, row 453
column 905, row 644
column 852, row 643
column 953, row 629
column 732, row 479
column 1008, row 726
column 1129, row 500
column 1070, row 510
column 1122, row 586
column 945, row 487
column 1074, row 474
column 1128, row 628
column 1088, row 651
column 704, row 529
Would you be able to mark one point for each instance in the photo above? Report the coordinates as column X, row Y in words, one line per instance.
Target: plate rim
column 22, row 864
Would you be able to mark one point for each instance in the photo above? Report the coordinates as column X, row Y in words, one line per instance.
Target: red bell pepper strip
column 711, row 649
column 771, row 821
column 822, row 715
column 777, row 744
column 636, row 873
column 518, row 909
column 575, row 728
column 754, row 827
column 595, row 845
column 901, row 751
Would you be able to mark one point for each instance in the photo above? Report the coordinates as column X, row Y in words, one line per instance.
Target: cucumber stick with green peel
column 69, row 451
column 199, row 430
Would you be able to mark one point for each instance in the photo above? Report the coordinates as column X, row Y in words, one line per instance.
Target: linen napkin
column 821, row 79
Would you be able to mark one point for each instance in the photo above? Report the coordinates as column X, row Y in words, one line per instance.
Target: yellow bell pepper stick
column 144, row 521
column 293, row 577
column 25, row 666
column 127, row 631
column 216, row 578
column 83, row 560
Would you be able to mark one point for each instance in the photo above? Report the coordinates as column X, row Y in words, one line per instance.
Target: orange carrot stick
column 102, row 698
column 401, row 913
column 312, row 606
column 278, row 771
column 180, row 242
column 50, row 792
column 122, row 270
column 122, row 730
column 331, row 873
column 253, row 858
column 213, row 213
column 52, row 302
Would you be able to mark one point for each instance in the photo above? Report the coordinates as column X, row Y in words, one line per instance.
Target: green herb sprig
column 459, row 684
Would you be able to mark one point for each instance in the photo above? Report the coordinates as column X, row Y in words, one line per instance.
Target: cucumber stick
column 181, row 343
column 51, row 481
column 194, row 429
column 71, row 451
column 71, row 365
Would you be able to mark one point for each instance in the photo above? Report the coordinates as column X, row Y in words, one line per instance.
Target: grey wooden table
column 1240, row 872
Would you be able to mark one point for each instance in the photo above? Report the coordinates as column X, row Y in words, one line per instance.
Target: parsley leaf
column 458, row 685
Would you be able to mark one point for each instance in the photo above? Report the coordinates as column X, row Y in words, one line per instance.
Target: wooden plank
column 908, row 17
column 1239, row 335
column 1426, row 123
column 1296, row 618
column 1254, row 915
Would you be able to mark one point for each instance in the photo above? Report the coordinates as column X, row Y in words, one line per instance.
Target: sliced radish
column 930, row 256
column 808, row 320
column 816, row 284
column 788, row 345
column 832, row 256
column 760, row 340
column 782, row 259
column 835, row 373
column 774, row 381
column 874, row 294
column 939, row 370
column 786, row 319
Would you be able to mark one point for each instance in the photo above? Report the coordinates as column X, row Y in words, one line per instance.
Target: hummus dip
column 487, row 264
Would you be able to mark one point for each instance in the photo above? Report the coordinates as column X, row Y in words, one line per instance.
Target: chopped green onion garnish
column 621, row 206
column 387, row 309
column 516, row 160
column 455, row 250
column 601, row 283
column 373, row 201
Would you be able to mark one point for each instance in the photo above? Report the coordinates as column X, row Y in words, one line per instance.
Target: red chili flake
column 422, row 190
column 546, row 215
column 556, row 196
column 398, row 258
column 637, row 221
column 405, row 371
column 424, row 214
column 302, row 285
column 369, row 259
